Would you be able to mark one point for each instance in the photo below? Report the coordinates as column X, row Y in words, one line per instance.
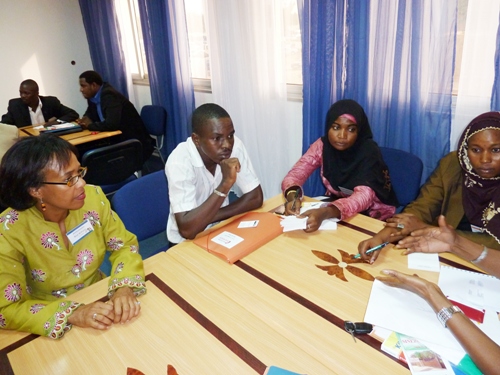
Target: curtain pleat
column 164, row 32
column 103, row 36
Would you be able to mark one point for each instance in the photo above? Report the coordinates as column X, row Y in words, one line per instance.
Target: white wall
column 38, row 40
column 141, row 97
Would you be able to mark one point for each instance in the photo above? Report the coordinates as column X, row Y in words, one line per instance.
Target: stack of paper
column 291, row 223
column 402, row 311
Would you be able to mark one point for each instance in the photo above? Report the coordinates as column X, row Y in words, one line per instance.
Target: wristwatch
column 447, row 312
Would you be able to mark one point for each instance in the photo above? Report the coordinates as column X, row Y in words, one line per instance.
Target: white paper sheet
column 477, row 288
column 405, row 312
column 424, row 261
column 291, row 223
column 248, row 224
column 227, row 239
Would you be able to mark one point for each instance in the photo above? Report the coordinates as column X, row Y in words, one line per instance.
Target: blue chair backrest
column 405, row 170
column 143, row 205
column 155, row 119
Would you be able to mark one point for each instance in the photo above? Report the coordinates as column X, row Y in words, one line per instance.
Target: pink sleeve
column 363, row 199
column 306, row 165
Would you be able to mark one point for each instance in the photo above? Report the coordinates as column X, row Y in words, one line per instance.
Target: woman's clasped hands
column 121, row 308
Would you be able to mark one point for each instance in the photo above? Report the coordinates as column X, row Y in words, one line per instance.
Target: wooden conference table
column 204, row 316
column 77, row 138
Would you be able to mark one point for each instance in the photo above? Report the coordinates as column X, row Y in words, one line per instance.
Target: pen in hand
column 369, row 251
column 295, row 199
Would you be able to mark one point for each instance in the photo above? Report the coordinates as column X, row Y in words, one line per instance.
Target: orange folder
column 216, row 242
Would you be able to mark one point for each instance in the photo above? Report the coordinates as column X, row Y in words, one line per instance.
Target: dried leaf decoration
column 133, row 371
column 171, row 370
column 337, row 269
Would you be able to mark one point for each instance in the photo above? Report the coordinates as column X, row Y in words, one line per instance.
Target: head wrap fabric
column 480, row 196
column 361, row 164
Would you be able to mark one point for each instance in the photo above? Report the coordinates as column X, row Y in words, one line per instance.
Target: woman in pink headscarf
column 352, row 170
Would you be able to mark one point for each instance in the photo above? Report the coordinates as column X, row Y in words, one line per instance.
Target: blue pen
column 378, row 247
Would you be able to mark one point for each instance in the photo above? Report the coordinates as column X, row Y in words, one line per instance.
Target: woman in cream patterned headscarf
column 479, row 156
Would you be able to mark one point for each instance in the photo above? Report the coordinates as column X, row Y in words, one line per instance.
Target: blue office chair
column 113, row 166
column 155, row 119
column 406, row 172
column 143, row 206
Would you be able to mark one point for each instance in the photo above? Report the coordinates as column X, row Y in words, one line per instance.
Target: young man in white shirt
column 202, row 171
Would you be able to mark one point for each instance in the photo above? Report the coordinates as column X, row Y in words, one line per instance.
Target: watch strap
column 447, row 312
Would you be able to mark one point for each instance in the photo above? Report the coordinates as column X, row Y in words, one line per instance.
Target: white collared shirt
column 190, row 183
column 37, row 116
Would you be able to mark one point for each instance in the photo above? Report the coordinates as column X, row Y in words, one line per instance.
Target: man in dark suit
column 32, row 109
column 109, row 110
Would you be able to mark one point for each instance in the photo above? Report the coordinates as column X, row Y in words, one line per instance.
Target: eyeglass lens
column 74, row 179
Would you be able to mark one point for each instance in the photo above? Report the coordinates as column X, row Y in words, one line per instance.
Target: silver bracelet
column 481, row 256
column 220, row 194
column 446, row 313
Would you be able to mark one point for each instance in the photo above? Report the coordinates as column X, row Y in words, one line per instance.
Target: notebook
column 61, row 129
column 242, row 236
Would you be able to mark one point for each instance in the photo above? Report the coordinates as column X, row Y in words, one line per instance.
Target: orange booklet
column 241, row 236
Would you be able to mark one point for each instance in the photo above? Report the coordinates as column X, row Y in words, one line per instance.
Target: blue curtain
column 165, row 41
column 357, row 25
column 395, row 58
column 410, row 102
column 321, row 31
column 495, row 95
column 103, row 35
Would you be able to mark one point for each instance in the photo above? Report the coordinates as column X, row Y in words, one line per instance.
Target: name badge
column 80, row 231
column 476, row 229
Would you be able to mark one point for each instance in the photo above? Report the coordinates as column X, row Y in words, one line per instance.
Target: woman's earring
column 44, row 207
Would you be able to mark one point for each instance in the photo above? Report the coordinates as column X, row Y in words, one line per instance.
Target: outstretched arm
column 445, row 239
column 484, row 352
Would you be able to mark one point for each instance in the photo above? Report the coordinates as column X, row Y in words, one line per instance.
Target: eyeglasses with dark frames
column 82, row 171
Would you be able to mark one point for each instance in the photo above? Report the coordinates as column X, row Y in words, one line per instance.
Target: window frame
column 294, row 91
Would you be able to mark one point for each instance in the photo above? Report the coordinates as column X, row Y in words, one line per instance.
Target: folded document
column 291, row 223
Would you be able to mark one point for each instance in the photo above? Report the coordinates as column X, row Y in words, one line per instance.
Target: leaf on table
column 336, row 271
column 133, row 371
column 360, row 273
column 325, row 256
column 171, row 370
